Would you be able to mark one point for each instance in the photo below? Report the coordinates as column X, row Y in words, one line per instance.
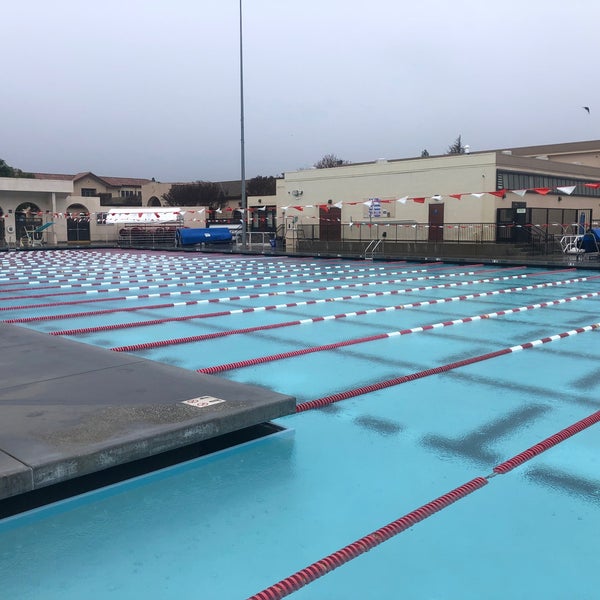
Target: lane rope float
column 235, row 298
column 223, row 281
column 367, row 389
column 313, row 320
column 150, row 322
column 325, row 565
column 221, row 289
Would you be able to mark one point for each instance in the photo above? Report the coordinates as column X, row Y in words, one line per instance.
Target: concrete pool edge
column 69, row 409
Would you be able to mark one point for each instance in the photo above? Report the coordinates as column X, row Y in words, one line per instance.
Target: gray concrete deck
column 69, row 409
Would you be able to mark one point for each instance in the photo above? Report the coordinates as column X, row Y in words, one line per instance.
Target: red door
column 436, row 222
column 330, row 223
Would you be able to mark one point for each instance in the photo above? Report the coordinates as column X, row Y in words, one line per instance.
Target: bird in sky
column 586, row 108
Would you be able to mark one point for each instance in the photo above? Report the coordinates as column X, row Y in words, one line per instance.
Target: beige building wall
column 49, row 196
column 352, row 185
column 577, row 153
column 434, row 179
column 591, row 159
column 89, row 182
column 154, row 189
column 55, row 199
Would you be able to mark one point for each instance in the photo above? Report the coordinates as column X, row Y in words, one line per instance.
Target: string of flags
column 373, row 204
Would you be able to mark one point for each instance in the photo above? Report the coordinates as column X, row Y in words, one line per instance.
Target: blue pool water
column 231, row 524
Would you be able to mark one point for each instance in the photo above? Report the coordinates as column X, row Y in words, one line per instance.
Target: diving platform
column 70, row 410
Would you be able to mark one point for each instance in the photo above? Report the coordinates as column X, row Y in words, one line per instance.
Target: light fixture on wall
column 559, row 199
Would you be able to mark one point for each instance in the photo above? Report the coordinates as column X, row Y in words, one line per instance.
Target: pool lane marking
column 224, row 313
column 255, row 286
column 293, row 282
column 241, row 268
column 245, row 330
column 61, row 266
column 325, row 565
column 335, row 345
column 269, row 295
column 155, row 276
column 197, row 282
column 367, row 389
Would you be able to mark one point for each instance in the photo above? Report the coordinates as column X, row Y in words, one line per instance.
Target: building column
column 54, row 212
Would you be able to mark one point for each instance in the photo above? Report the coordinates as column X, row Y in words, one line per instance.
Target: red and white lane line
column 220, row 281
column 253, row 296
column 138, row 274
column 224, row 313
column 367, row 389
column 231, row 288
column 86, row 330
column 49, row 275
column 335, row 345
column 325, row 565
column 196, row 280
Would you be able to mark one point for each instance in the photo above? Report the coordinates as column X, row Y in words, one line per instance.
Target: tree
column 329, row 161
column 425, row 153
column 457, row 147
column 199, row 193
column 8, row 171
column 261, row 186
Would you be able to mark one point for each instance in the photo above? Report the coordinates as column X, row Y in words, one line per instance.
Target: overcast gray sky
column 148, row 88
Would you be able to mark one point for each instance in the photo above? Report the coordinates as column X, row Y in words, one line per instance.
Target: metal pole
column 243, row 156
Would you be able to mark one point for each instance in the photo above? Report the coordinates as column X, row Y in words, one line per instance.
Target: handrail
column 373, row 245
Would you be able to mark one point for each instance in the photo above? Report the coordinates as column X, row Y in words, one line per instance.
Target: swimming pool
column 413, row 379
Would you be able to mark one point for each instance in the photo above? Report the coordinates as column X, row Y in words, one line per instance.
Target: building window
column 101, row 218
column 87, row 192
column 130, row 194
column 509, row 180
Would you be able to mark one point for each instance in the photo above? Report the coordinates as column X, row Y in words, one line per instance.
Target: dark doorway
column 263, row 218
column 520, row 231
column 78, row 223
column 436, row 222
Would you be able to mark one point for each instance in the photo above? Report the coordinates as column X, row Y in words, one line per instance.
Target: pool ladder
column 371, row 248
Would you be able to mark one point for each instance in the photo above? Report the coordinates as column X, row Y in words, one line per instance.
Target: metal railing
column 148, row 236
column 495, row 239
column 452, row 233
column 255, row 239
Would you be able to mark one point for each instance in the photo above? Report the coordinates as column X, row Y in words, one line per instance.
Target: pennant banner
column 374, row 205
column 567, row 189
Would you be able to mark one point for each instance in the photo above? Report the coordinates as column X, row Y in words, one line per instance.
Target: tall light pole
column 243, row 154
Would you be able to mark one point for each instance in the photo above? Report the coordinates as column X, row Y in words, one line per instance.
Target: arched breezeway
column 28, row 216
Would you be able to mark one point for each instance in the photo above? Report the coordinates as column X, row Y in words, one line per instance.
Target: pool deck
column 70, row 409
